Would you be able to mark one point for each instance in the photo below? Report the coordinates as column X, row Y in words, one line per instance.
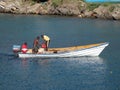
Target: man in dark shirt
column 36, row 44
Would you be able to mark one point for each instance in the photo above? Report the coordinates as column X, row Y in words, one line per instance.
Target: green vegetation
column 56, row 3
column 92, row 6
column 112, row 8
column 33, row 2
column 39, row 0
column 107, row 4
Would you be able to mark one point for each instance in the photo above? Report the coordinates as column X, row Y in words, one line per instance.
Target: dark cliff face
column 43, row 0
column 40, row 0
column 61, row 7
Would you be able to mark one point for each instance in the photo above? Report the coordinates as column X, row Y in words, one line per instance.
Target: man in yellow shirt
column 47, row 40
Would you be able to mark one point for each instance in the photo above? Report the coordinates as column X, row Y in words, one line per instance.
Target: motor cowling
column 16, row 48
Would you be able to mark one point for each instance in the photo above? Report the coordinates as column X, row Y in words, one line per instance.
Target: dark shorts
column 35, row 49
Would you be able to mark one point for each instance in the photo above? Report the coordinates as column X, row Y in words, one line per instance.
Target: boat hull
column 92, row 51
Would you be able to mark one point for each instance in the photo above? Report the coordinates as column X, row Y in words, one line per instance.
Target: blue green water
column 83, row 73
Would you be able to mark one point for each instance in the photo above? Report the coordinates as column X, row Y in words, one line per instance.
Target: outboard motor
column 16, row 48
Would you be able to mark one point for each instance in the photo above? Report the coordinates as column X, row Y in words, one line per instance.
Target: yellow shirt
column 46, row 38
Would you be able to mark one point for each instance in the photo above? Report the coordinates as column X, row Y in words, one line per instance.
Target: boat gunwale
column 81, row 47
column 68, row 51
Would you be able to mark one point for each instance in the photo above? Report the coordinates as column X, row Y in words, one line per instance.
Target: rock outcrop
column 77, row 8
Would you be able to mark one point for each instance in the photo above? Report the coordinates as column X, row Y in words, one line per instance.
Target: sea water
column 83, row 73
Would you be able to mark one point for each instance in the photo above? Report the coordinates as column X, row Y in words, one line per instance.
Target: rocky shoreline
column 77, row 8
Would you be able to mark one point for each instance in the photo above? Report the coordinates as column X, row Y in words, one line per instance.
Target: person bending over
column 47, row 40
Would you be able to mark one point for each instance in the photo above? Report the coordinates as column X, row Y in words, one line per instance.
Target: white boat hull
column 92, row 51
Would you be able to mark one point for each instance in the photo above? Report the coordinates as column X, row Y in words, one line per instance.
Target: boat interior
column 66, row 49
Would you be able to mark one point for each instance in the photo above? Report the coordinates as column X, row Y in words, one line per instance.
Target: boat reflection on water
column 70, row 73
column 90, row 62
column 86, row 59
column 96, row 62
column 89, row 71
column 85, row 65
